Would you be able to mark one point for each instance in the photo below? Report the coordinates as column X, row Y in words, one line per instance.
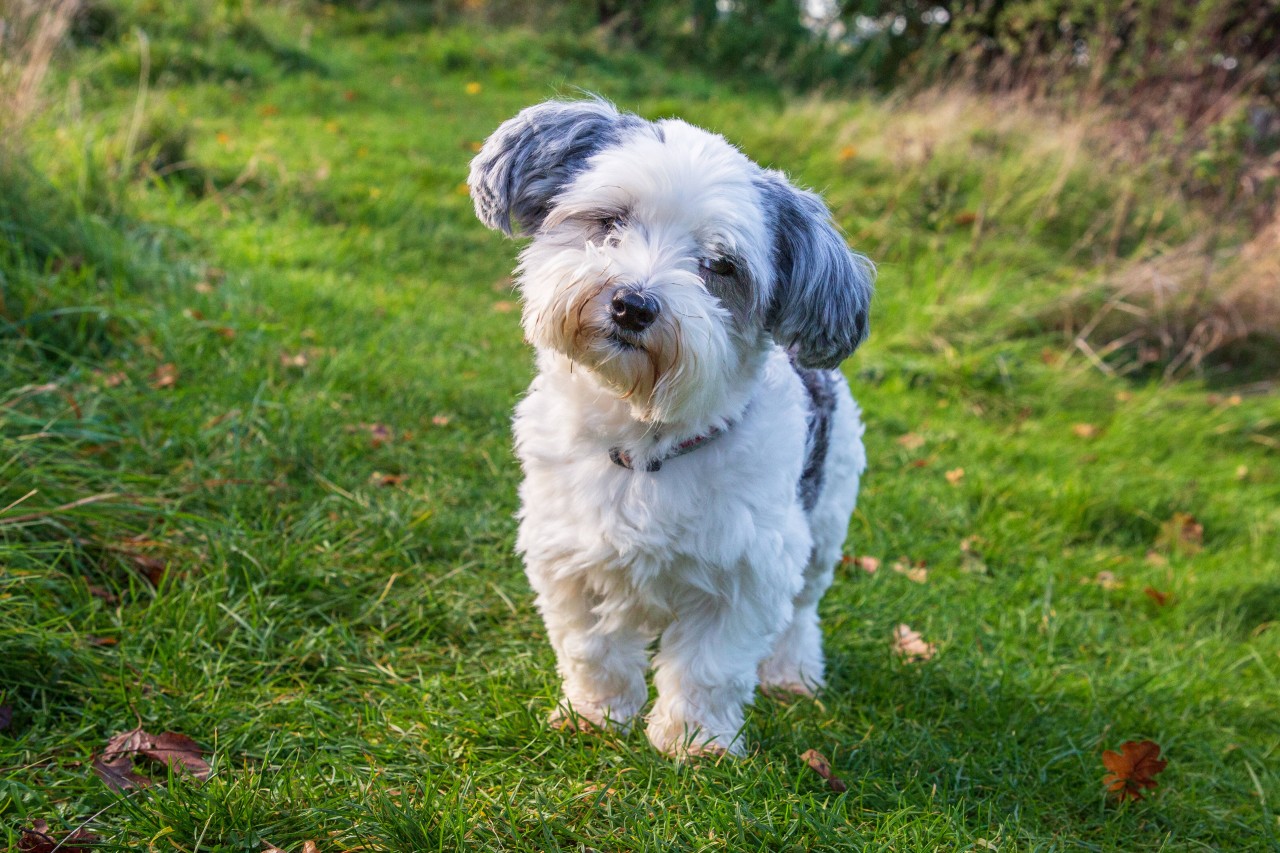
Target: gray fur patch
column 529, row 158
column 820, row 386
column 822, row 298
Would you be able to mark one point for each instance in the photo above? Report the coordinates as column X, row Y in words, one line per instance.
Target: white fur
column 714, row 554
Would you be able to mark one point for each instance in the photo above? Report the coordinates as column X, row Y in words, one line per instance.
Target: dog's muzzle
column 633, row 311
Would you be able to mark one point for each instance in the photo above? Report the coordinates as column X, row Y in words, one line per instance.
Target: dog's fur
column 689, row 476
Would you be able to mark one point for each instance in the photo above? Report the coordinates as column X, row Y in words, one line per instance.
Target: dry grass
column 1187, row 309
column 30, row 33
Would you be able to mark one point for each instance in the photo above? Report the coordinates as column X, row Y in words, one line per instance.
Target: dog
column 691, row 455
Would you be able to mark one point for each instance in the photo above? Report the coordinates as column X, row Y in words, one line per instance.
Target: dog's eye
column 609, row 224
column 718, row 266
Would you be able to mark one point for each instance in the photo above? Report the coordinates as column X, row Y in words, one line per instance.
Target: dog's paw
column 786, row 691
column 682, row 741
column 586, row 720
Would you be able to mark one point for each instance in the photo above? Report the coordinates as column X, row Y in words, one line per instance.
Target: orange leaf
column 910, row 441
column 1160, row 598
column 819, row 764
column 1132, row 769
column 954, row 476
column 164, row 376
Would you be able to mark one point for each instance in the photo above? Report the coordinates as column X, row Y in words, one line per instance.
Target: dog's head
column 663, row 259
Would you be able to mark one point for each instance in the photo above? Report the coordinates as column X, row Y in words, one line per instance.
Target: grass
column 362, row 660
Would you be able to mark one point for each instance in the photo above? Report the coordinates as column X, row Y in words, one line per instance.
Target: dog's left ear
column 529, row 158
column 822, row 290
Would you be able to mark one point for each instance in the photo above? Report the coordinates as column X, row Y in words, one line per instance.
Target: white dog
column 691, row 455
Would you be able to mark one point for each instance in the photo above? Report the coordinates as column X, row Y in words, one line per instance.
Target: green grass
column 363, row 662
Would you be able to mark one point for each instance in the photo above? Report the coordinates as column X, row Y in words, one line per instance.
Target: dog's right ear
column 530, row 157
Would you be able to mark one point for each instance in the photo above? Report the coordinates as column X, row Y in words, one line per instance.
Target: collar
column 622, row 458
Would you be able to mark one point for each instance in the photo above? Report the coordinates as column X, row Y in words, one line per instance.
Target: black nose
column 633, row 311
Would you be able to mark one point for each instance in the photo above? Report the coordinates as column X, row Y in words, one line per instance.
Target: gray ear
column 822, row 293
column 530, row 157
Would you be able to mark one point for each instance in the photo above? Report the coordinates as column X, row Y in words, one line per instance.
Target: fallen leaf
column 1132, row 769
column 504, row 306
column 104, row 594
column 910, row 645
column 118, row 773
column 819, row 764
column 1155, row 558
column 473, row 88
column 915, row 572
column 203, row 287
column 225, row 332
column 175, row 751
column 870, row 565
column 1104, row 579
column 164, row 376
column 38, row 839
column 440, row 420
column 380, row 479
column 114, row 380
column 911, row 441
column 1181, row 533
column 1085, row 430
column 269, row 110
column 1160, row 598
column 966, row 217
column 955, row 475
column 103, row 641
column 1242, row 472
column 309, row 847
column 848, row 153
column 298, row 359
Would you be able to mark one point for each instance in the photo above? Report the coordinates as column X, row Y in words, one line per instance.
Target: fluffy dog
column 691, row 456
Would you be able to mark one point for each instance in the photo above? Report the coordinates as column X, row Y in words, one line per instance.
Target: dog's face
column 664, row 260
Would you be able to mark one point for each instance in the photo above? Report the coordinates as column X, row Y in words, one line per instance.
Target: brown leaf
column 870, row 565
column 911, row 441
column 309, row 847
column 118, row 773
column 818, row 764
column 1104, row 579
column 164, row 376
column 1132, row 769
column 440, row 420
column 175, row 751
column 105, row 594
column 954, row 476
column 966, row 217
column 910, row 646
column 103, row 641
column 298, row 359
column 1181, row 533
column 504, row 306
column 38, row 839
column 915, row 572
column 1085, row 430
column 380, row 479
column 1160, row 598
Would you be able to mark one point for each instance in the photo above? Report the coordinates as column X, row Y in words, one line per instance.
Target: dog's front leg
column 706, row 672
column 601, row 661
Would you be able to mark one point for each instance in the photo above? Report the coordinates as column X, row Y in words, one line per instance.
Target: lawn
column 257, row 364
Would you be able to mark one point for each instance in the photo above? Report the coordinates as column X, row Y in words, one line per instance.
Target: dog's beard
column 672, row 371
